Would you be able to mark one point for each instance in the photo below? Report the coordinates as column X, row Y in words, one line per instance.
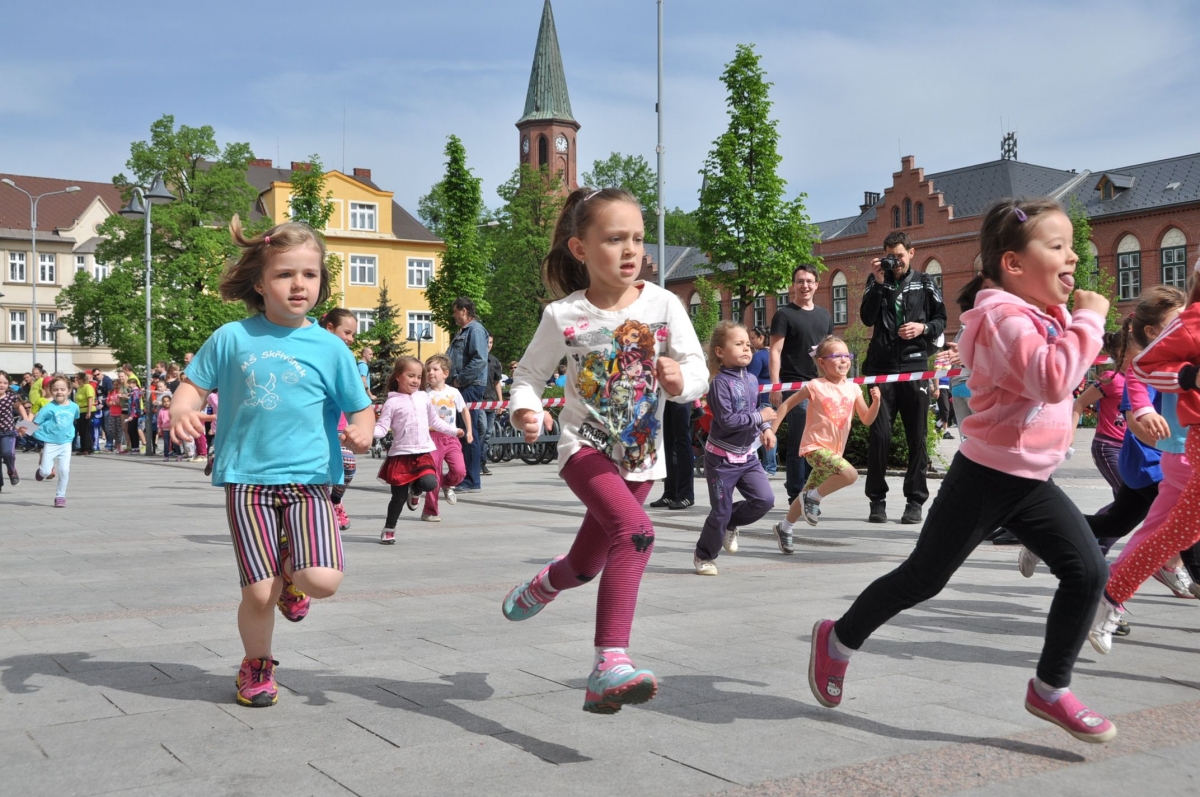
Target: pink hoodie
column 409, row 416
column 1024, row 364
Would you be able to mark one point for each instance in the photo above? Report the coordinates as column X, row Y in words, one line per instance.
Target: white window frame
column 99, row 270
column 364, row 262
column 17, row 260
column 841, row 299
column 420, row 321
column 1129, row 276
column 44, row 333
column 17, row 326
column 760, row 311
column 735, row 310
column 50, row 260
column 80, row 263
column 362, row 214
column 694, row 305
column 418, row 275
column 365, row 320
column 782, row 300
column 1174, row 266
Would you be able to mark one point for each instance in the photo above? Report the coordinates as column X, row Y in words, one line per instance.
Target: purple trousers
column 723, row 477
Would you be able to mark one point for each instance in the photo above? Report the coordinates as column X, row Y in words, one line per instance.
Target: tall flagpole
column 660, row 149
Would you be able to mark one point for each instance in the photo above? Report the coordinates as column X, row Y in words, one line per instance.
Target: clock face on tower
column 525, row 145
column 560, row 143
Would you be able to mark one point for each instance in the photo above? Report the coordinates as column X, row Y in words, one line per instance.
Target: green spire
column 547, row 97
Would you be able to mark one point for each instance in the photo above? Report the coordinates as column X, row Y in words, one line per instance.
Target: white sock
column 813, row 496
column 601, row 652
column 836, row 649
column 785, row 525
column 1047, row 692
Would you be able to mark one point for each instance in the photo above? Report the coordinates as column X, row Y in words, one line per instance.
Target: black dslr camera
column 889, row 264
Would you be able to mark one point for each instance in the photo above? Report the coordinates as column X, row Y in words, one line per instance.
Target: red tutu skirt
column 403, row 469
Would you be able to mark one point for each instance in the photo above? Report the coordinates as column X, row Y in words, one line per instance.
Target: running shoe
column 1027, row 562
column 525, row 600
column 704, row 567
column 208, row 467
column 451, row 498
column 812, row 510
column 428, row 518
column 826, row 675
column 1177, row 580
column 256, row 683
column 1104, row 625
column 13, row 478
column 37, row 474
column 59, row 503
column 413, row 497
column 1071, row 715
column 343, row 519
column 730, row 543
column 387, row 537
column 1122, row 628
column 784, row 538
column 615, row 683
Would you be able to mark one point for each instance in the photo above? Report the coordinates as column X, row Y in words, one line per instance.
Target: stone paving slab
column 118, row 649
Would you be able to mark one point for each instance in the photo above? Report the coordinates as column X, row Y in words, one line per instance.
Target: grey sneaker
column 1027, row 562
column 784, row 538
column 704, row 567
column 451, row 498
column 1104, row 625
column 878, row 512
column 912, row 513
column 812, row 510
column 730, row 543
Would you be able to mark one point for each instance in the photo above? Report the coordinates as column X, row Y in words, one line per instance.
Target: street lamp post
column 55, row 328
column 33, row 203
column 426, row 336
column 139, row 205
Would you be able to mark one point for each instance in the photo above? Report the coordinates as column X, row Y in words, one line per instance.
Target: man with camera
column 905, row 309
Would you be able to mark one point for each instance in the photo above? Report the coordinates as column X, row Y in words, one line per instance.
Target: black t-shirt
column 494, row 370
column 800, row 330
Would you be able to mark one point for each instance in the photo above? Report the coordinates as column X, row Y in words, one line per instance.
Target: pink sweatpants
column 1178, row 531
column 616, row 537
column 448, row 451
column 1176, row 470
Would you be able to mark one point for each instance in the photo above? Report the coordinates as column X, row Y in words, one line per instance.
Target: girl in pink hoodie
column 1026, row 354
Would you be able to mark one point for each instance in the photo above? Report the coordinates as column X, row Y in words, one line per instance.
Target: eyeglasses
column 841, row 355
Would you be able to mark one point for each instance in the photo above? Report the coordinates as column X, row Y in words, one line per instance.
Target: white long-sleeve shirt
column 613, row 399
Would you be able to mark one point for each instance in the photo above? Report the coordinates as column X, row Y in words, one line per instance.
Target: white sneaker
column 731, row 536
column 1027, row 562
column 704, row 567
column 1177, row 580
column 448, row 492
column 432, row 518
column 1103, row 626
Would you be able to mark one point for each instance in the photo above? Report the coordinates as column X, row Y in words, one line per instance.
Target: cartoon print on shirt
column 616, row 381
column 264, row 395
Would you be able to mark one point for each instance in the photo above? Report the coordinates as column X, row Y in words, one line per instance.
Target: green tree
column 387, row 337
column 189, row 246
column 1088, row 275
column 532, row 201
column 744, row 218
column 634, row 174
column 311, row 204
column 709, row 314
column 681, row 228
column 431, row 209
column 463, row 270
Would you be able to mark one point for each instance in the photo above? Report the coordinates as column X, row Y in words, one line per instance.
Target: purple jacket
column 733, row 399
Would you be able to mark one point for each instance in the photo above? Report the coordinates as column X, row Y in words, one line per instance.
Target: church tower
column 546, row 131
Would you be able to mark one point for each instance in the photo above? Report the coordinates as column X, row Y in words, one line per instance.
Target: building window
column 908, row 213
column 47, row 321
column 99, row 271
column 46, row 268
column 362, row 216
column 362, row 269
column 841, row 299
column 782, row 300
column 16, row 326
column 694, row 305
column 920, row 213
column 420, row 272
column 896, row 216
column 934, row 270
column 1174, row 270
column 760, row 311
column 543, row 151
column 735, row 310
column 365, row 319
column 80, row 263
column 1129, row 276
column 420, row 326
column 16, row 266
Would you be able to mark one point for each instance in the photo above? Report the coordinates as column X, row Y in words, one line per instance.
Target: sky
column 1086, row 85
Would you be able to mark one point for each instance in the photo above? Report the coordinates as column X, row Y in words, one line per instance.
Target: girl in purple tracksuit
column 729, row 458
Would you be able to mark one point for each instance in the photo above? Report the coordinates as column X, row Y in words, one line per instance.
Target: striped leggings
column 349, row 468
column 268, row 520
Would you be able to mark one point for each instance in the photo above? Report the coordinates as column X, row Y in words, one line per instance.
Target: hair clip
column 813, row 351
column 1020, row 214
column 589, row 196
column 267, row 240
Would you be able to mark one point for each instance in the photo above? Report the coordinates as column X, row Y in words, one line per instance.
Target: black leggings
column 400, row 497
column 974, row 501
column 1123, row 515
column 8, row 447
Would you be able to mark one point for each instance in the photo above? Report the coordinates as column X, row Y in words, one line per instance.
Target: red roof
column 54, row 212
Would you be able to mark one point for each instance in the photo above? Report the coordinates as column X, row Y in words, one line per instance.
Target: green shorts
column 824, row 464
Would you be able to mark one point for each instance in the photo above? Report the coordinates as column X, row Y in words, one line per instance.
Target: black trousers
column 973, row 502
column 83, row 428
column 911, row 400
column 1123, row 515
column 677, row 443
column 400, row 497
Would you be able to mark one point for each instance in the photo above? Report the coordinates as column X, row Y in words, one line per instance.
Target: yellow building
column 378, row 241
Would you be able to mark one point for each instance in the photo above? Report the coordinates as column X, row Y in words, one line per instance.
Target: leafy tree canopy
column 1088, row 275
column 387, row 337
column 634, row 174
column 311, row 204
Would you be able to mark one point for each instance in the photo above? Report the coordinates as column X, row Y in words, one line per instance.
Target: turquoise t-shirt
column 56, row 422
column 282, row 392
column 1178, row 439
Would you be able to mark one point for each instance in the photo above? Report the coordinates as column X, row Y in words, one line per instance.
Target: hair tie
column 267, row 240
column 1020, row 214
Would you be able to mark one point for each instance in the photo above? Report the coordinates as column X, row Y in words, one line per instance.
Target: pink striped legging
column 616, row 537
column 1179, row 500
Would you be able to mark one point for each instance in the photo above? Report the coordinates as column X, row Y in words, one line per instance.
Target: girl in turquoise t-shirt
column 285, row 382
column 56, row 430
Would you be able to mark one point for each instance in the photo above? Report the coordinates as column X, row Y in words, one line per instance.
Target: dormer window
column 1111, row 186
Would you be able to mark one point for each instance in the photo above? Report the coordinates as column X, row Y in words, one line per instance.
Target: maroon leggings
column 616, row 537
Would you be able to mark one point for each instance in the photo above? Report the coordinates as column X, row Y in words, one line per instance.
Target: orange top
column 830, row 410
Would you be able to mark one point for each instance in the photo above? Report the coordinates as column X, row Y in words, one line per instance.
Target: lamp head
column 135, row 208
column 71, row 189
column 7, row 181
column 158, row 193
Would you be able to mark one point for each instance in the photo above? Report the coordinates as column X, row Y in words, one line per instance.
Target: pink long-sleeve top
column 409, row 417
column 1024, row 364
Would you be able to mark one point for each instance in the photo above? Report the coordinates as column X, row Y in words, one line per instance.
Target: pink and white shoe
column 615, row 683
column 1072, row 716
column 826, row 675
column 343, row 519
column 1177, row 580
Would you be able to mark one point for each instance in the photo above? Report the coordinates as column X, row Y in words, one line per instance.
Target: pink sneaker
column 825, row 673
column 1071, row 715
column 256, row 683
column 293, row 604
column 59, row 503
column 343, row 519
column 615, row 682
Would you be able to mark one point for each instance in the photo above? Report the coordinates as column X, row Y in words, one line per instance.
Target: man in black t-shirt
column 795, row 329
